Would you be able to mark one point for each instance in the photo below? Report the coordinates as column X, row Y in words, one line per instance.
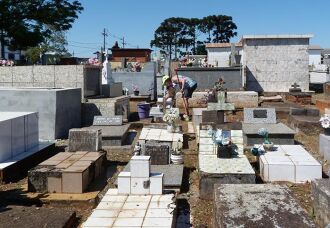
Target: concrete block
column 243, row 99
column 140, row 185
column 54, row 184
column 124, row 183
column 75, row 179
column 85, row 140
column 140, row 166
column 156, row 183
column 261, row 205
column 324, row 146
column 321, row 201
column 260, row 115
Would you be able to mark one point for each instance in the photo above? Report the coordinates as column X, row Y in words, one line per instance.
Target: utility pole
column 123, row 42
column 104, row 34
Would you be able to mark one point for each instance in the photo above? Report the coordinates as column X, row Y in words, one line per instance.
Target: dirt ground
column 201, row 211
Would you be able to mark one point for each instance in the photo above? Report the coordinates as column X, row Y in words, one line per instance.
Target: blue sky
column 137, row 20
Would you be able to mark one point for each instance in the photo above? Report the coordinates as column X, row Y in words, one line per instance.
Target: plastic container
column 143, row 110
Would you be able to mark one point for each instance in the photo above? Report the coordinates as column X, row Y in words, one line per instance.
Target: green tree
column 25, row 23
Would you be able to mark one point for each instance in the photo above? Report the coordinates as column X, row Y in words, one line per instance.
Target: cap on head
column 165, row 78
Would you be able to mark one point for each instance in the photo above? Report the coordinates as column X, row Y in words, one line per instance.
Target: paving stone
column 114, row 198
column 135, row 205
column 132, row 214
column 124, row 222
column 110, row 205
column 131, row 198
column 257, row 206
column 105, row 213
column 159, row 213
column 99, row 222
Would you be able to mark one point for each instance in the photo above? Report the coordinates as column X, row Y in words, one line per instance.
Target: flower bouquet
column 170, row 117
column 268, row 145
column 325, row 122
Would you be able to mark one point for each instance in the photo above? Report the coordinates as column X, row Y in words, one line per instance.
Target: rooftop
column 222, row 45
column 286, row 36
column 315, row 47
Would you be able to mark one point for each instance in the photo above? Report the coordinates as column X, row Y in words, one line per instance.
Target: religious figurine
column 219, row 85
column 137, row 149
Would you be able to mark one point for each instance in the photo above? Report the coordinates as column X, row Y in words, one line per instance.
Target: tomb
column 117, row 210
column 321, row 201
column 140, row 181
column 105, row 107
column 295, row 95
column 20, row 148
column 322, row 104
column 58, row 109
column 157, row 114
column 215, row 170
column 324, row 146
column 256, row 118
column 66, row 172
column 304, row 119
column 114, row 132
column 159, row 136
column 257, row 205
column 288, row 163
column 197, row 116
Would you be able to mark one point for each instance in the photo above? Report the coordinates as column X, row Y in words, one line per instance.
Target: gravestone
column 85, row 140
column 107, row 121
column 295, row 88
column 214, row 116
column 221, row 104
column 259, row 115
column 159, row 153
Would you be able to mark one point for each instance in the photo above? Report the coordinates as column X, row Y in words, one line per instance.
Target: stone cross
column 295, row 85
column 221, row 105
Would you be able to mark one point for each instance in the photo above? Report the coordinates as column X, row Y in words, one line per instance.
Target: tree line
column 36, row 23
column 181, row 36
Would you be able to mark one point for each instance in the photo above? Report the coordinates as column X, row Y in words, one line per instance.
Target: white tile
column 126, row 222
column 131, row 198
column 110, row 205
column 112, row 191
column 159, row 213
column 161, row 204
column 307, row 171
column 105, row 213
column 99, row 222
column 163, row 198
column 132, row 214
column 157, row 222
column 114, row 198
column 135, row 206
column 208, row 141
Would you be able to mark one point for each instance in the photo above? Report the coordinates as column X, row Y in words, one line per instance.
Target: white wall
column 220, row 56
column 314, row 57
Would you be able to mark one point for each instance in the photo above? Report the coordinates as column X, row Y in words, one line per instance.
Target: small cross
column 295, row 85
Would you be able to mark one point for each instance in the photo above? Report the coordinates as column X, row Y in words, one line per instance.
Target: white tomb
column 139, row 181
column 289, row 163
column 19, row 133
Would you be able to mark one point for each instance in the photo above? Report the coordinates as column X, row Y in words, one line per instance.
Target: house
column 314, row 52
column 218, row 54
column 141, row 55
column 11, row 55
column 272, row 63
column 326, row 56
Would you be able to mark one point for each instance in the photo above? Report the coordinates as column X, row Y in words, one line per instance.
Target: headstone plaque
column 214, row 116
column 259, row 113
column 108, row 120
column 159, row 153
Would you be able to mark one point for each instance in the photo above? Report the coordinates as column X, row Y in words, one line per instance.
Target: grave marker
column 108, row 120
column 260, row 115
column 159, row 153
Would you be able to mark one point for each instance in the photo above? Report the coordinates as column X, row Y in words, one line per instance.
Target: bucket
column 143, row 110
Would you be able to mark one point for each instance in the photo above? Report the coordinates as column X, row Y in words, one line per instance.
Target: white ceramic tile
column 114, row 198
column 162, row 198
column 112, row 191
column 125, row 222
column 131, row 198
column 105, row 213
column 110, row 205
column 132, row 213
column 124, row 183
column 157, row 222
column 160, row 213
column 161, row 204
column 156, row 184
column 99, row 222
column 135, row 206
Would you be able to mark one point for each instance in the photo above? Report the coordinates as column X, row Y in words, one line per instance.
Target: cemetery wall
column 54, row 76
column 59, row 109
column 144, row 80
column 273, row 65
column 206, row 77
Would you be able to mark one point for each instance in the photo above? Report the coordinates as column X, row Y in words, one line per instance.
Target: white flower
column 325, row 121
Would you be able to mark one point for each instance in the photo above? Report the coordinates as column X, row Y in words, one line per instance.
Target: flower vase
column 170, row 127
column 136, row 93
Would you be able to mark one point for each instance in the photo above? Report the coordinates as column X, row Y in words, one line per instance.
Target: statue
column 220, row 90
column 137, row 149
